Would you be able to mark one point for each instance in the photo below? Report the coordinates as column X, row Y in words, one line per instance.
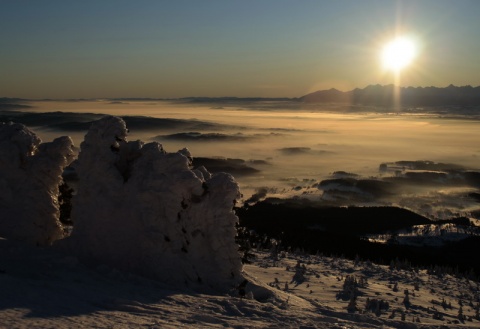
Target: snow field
column 323, row 278
column 47, row 289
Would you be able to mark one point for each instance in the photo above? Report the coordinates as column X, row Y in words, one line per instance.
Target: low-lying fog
column 295, row 147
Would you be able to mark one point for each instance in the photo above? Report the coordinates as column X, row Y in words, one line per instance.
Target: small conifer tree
column 352, row 304
column 460, row 315
column 406, row 299
column 395, row 287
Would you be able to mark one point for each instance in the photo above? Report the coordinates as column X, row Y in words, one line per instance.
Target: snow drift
column 143, row 210
column 30, row 174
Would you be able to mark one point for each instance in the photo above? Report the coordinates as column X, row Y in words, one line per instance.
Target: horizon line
column 221, row 97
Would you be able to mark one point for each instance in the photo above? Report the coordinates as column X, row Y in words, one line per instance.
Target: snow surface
column 30, row 174
column 434, row 235
column 48, row 289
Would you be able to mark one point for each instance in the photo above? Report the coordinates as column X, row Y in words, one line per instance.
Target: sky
column 215, row 48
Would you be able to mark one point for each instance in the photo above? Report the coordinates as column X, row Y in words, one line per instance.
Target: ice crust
column 143, row 210
column 30, row 174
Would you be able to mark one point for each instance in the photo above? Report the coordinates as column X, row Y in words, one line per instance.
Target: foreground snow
column 42, row 288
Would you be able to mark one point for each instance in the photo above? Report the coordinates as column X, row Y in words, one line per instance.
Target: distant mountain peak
column 385, row 95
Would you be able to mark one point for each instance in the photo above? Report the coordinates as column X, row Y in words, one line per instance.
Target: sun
column 398, row 54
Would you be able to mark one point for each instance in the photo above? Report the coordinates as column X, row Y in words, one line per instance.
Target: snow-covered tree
column 141, row 209
column 30, row 176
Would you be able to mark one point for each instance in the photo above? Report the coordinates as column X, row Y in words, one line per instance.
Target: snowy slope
column 43, row 288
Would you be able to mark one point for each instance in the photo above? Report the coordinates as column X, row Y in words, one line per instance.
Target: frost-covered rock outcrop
column 30, row 174
column 141, row 209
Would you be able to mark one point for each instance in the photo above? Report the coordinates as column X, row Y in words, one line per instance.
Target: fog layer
column 292, row 147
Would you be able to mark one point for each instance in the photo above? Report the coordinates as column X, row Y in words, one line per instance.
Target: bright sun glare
column 398, row 53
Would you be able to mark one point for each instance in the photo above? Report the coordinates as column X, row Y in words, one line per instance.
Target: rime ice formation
column 141, row 209
column 30, row 174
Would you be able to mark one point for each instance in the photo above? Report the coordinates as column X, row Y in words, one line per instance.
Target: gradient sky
column 268, row 48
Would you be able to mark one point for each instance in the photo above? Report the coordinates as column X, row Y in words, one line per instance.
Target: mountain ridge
column 376, row 95
column 390, row 95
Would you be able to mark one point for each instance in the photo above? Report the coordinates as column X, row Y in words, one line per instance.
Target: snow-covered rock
column 30, row 174
column 143, row 210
